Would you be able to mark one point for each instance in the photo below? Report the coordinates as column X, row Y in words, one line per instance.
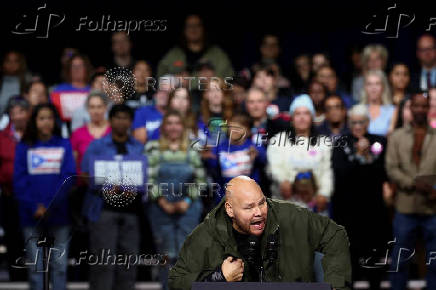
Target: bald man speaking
column 249, row 238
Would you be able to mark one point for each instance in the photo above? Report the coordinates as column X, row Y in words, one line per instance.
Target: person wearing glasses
column 335, row 122
column 425, row 77
column 361, row 183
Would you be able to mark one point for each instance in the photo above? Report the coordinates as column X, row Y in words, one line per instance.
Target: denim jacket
column 93, row 203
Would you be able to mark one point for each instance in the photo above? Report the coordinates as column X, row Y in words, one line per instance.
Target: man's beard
column 244, row 228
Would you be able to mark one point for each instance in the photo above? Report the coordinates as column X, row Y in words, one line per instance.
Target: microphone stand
column 253, row 246
column 46, row 242
column 261, row 274
column 271, row 253
column 46, row 239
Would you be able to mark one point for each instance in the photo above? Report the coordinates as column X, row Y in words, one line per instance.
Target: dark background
column 303, row 26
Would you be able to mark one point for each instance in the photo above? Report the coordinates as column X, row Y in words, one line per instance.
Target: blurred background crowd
column 354, row 146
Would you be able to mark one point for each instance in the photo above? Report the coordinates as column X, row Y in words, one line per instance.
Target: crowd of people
column 357, row 149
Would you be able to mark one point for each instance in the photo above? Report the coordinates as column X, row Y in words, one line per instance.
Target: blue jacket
column 104, row 146
column 41, row 173
column 233, row 160
column 150, row 118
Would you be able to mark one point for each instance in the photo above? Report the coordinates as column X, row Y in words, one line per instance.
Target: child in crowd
column 304, row 190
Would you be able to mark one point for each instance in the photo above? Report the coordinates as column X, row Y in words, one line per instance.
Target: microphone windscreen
column 272, row 247
column 253, row 240
column 253, row 246
column 271, row 240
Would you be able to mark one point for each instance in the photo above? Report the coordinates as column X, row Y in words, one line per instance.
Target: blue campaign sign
column 126, row 170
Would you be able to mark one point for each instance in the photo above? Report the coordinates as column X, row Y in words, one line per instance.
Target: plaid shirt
column 155, row 155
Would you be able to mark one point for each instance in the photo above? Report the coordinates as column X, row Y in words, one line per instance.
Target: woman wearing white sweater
column 301, row 149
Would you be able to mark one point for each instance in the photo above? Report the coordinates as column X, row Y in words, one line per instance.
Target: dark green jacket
column 300, row 232
column 175, row 61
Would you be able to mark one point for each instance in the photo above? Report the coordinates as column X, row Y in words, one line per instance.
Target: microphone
column 252, row 255
column 252, row 249
column 272, row 246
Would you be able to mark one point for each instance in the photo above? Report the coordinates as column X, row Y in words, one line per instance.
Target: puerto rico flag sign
column 45, row 160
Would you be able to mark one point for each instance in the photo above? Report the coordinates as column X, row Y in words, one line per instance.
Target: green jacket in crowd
column 175, row 62
column 300, row 231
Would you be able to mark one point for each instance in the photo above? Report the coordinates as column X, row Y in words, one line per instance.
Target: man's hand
column 167, row 206
column 40, row 211
column 233, row 270
column 286, row 189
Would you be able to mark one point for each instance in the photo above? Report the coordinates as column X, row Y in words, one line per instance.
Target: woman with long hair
column 143, row 95
column 216, row 109
column 374, row 57
column 399, row 79
column 13, row 77
column 239, row 155
column 318, row 94
column 43, row 165
column 180, row 100
column 403, row 116
column 175, row 175
column 71, row 95
column 376, row 94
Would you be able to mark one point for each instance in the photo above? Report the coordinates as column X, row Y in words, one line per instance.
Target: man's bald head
column 246, row 205
column 240, row 184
